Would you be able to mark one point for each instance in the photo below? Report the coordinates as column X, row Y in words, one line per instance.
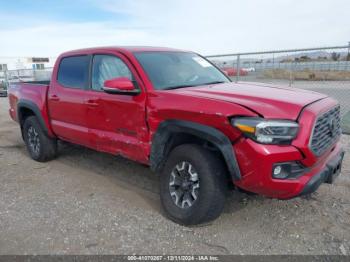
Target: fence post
column 6, row 79
column 238, row 68
column 291, row 74
column 34, row 74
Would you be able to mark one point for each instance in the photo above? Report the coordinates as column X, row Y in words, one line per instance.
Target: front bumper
column 256, row 162
column 327, row 175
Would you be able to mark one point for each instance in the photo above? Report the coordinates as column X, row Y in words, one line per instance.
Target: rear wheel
column 193, row 185
column 40, row 147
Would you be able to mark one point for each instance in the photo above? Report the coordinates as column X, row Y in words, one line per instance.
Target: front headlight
column 267, row 131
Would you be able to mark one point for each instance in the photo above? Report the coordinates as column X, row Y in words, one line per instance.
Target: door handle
column 91, row 102
column 54, row 98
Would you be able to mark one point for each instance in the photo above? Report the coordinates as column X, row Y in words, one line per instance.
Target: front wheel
column 193, row 185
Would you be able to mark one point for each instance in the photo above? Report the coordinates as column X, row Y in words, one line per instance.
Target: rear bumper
column 256, row 162
column 3, row 93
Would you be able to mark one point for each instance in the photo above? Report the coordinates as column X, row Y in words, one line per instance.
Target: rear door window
column 73, row 72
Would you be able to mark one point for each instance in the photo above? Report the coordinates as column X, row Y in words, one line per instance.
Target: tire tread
column 48, row 150
column 209, row 206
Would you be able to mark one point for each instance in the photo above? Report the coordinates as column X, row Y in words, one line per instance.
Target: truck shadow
column 126, row 174
column 134, row 176
column 141, row 184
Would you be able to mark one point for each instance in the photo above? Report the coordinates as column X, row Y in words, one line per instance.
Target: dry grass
column 306, row 74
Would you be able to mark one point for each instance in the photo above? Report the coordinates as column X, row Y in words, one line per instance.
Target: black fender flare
column 159, row 150
column 26, row 104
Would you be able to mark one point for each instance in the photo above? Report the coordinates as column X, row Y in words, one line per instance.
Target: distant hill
column 302, row 56
column 312, row 55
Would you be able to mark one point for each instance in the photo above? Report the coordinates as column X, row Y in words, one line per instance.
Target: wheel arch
column 172, row 133
column 26, row 108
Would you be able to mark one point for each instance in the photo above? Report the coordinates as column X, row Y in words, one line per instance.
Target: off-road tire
column 212, row 185
column 47, row 147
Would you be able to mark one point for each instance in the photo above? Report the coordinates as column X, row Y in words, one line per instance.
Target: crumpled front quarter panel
column 165, row 105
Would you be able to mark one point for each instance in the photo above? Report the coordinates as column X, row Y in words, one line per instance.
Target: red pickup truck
column 176, row 112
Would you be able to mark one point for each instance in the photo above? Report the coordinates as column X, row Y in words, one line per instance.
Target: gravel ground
column 86, row 202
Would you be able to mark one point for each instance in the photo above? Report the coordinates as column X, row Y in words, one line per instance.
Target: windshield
column 170, row 70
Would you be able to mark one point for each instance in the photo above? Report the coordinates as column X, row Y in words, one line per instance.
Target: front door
column 117, row 122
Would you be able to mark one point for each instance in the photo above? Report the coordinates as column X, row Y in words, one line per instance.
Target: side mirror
column 121, row 86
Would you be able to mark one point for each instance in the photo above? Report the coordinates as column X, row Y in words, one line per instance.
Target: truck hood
column 270, row 101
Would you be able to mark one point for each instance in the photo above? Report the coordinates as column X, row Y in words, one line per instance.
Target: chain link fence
column 24, row 75
column 325, row 70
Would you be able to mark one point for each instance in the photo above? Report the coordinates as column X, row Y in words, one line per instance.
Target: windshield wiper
column 179, row 86
column 214, row 82
column 204, row 84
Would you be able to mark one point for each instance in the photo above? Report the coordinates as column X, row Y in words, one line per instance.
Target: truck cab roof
column 122, row 49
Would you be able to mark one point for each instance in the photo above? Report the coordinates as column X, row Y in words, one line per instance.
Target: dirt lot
column 307, row 74
column 86, row 202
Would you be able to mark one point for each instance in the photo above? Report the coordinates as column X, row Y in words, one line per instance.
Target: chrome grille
column 326, row 131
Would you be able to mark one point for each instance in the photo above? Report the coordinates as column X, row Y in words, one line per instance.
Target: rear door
column 67, row 100
column 117, row 122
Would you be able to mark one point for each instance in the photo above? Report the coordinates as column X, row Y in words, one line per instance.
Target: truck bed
column 33, row 93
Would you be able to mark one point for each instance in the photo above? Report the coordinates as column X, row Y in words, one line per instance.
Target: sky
column 47, row 28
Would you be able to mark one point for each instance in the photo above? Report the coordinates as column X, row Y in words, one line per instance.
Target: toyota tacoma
column 178, row 113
